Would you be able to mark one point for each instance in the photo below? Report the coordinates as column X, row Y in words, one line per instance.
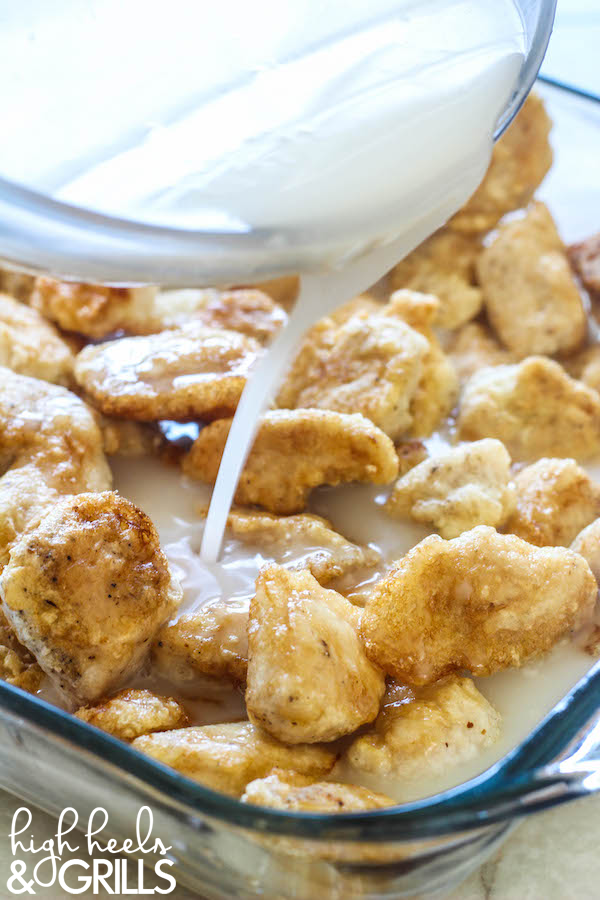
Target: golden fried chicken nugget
column 301, row 542
column 86, row 591
column 458, row 489
column 211, row 641
column 189, row 373
column 309, row 678
column 368, row 363
column 587, row 544
column 227, row 757
column 133, row 712
column 93, row 310
column 300, row 793
column 17, row 284
column 30, row 345
column 474, row 347
column 123, row 438
column 481, row 602
column 50, row 445
column 294, row 452
column 585, row 259
column 17, row 665
column 530, row 295
column 425, row 731
column 443, row 265
column 283, row 290
column 534, row 408
column 556, row 499
column 249, row 312
column 520, row 160
column 438, row 388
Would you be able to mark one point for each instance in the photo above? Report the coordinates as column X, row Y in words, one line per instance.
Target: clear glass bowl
column 41, row 234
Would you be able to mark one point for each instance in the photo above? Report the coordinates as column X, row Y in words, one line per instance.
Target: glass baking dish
column 225, row 849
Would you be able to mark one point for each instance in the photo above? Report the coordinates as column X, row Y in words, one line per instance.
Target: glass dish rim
column 495, row 796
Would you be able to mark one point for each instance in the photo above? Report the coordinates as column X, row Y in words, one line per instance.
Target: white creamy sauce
column 522, row 696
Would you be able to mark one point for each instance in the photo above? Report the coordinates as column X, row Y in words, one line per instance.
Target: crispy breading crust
column 301, row 542
column 294, row 451
column 30, row 345
column 308, row 678
column 585, row 259
column 283, row 290
column 534, row 408
column 482, row 602
column 212, row 641
column 86, row 591
column 131, row 713
column 18, row 284
column 368, row 363
column 454, row 491
column 410, row 454
column 587, row 543
column 520, row 160
column 93, row 310
column 189, row 373
column 227, row 757
column 50, row 445
column 300, row 793
column 530, row 295
column 474, row 347
column 443, row 265
column 556, row 499
column 17, row 665
column 438, row 387
column 248, row 312
column 585, row 366
column 424, row 731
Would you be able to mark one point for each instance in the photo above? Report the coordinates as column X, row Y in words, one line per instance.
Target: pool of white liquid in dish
column 522, row 696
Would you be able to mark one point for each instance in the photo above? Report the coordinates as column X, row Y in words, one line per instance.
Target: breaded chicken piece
column 227, row 757
column 585, row 366
column 211, row 641
column 283, row 290
column 530, row 295
column 189, row 373
column 50, row 445
column 585, row 259
column 474, row 347
column 456, row 490
column 410, row 454
column 587, row 544
column 443, row 265
column 86, row 591
column 368, row 363
column 131, row 713
column 17, row 665
column 438, row 387
column 520, row 160
column 123, row 438
column 301, row 542
column 309, row 678
column 481, row 602
column 300, row 793
column 17, row 284
column 93, row 310
column 294, row 452
column 249, row 312
column 30, row 345
column 556, row 499
column 534, row 408
column 425, row 731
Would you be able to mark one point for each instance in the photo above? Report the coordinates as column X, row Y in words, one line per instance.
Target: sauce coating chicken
column 131, row 713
